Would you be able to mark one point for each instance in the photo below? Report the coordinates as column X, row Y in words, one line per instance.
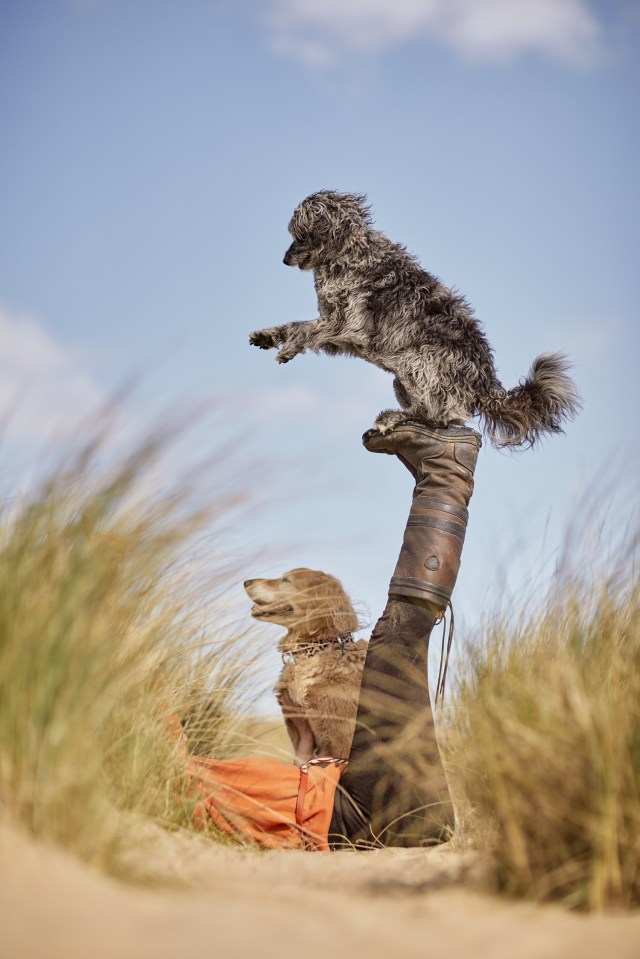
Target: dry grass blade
column 546, row 741
column 105, row 616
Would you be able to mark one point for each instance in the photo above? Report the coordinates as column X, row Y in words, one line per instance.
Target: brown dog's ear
column 346, row 620
column 328, row 610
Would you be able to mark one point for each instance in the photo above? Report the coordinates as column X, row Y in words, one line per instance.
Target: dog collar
column 310, row 649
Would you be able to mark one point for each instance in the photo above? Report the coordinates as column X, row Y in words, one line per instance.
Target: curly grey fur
column 377, row 303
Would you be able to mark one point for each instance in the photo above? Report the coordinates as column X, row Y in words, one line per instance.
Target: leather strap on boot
column 442, row 462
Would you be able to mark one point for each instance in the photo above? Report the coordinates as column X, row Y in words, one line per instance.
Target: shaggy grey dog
column 376, row 302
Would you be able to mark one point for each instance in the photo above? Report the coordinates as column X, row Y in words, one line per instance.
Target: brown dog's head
column 306, row 601
column 322, row 225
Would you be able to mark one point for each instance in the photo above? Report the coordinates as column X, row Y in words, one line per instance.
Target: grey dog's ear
column 362, row 209
column 318, row 216
column 350, row 204
column 321, row 211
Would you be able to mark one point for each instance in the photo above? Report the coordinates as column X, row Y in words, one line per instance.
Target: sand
column 243, row 903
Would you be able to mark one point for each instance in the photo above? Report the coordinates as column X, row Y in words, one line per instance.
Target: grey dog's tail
column 540, row 404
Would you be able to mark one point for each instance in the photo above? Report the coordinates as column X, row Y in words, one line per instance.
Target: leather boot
column 395, row 791
column 442, row 462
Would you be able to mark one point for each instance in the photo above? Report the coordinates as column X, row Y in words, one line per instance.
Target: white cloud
column 320, row 32
column 45, row 388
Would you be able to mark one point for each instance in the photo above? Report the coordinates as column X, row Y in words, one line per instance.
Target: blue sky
column 152, row 154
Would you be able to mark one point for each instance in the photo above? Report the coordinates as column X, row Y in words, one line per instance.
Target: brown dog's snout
column 248, row 582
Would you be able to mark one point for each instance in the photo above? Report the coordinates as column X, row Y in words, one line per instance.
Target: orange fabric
column 255, row 800
column 262, row 800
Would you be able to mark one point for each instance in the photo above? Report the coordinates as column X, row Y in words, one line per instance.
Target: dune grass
column 108, row 627
column 112, row 622
column 546, row 738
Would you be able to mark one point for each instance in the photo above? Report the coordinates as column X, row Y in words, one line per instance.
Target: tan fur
column 314, row 607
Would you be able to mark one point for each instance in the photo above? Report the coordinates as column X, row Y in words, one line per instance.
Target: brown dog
column 323, row 664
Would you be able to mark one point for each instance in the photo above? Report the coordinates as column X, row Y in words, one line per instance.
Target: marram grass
column 105, row 633
column 546, row 741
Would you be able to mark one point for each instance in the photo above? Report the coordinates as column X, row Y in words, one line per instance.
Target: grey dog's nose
column 288, row 258
column 247, row 582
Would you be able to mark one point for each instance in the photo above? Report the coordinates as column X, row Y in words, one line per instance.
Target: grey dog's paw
column 388, row 419
column 383, row 428
column 283, row 356
column 264, row 339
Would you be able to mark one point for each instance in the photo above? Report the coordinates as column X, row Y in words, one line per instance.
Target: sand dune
column 240, row 903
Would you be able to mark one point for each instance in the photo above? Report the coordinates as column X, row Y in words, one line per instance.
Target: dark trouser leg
column 394, row 791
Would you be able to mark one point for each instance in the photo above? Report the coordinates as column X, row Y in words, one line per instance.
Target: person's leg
column 394, row 791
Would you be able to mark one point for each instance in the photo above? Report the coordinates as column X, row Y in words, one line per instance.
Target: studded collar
column 310, row 649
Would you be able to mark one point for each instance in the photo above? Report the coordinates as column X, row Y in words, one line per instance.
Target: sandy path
column 242, row 904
